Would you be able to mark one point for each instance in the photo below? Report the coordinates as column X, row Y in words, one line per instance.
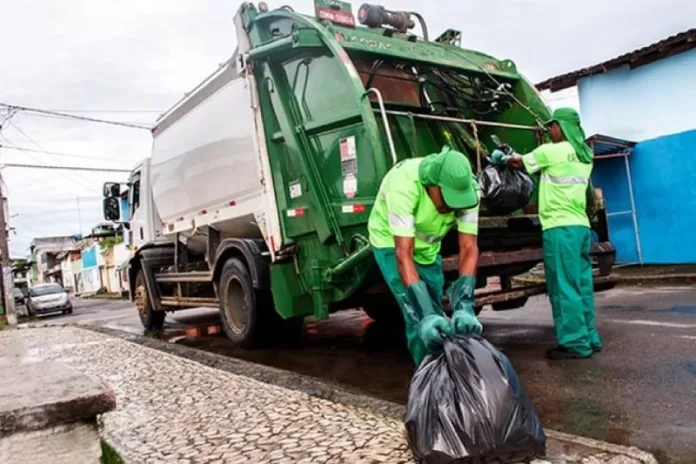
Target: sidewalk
column 648, row 275
column 172, row 409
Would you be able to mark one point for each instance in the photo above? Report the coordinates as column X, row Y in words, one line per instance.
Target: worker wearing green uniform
column 418, row 203
column 565, row 166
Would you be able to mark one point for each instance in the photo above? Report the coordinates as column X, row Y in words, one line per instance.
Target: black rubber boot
column 561, row 353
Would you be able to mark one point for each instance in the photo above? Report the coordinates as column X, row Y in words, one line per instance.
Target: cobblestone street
column 170, row 409
column 174, row 410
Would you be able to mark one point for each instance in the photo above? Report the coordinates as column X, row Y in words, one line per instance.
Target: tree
column 108, row 243
column 21, row 265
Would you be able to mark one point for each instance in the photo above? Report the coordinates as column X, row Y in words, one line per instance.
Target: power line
column 105, row 111
column 74, row 116
column 68, row 168
column 76, row 179
column 58, row 153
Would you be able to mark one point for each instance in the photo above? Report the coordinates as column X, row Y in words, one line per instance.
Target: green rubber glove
column 461, row 297
column 498, row 157
column 431, row 325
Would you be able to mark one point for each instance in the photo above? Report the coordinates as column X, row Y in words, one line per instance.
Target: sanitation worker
column 565, row 166
column 419, row 201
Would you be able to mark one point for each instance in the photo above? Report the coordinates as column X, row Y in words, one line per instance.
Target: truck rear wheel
column 151, row 319
column 384, row 311
column 238, row 304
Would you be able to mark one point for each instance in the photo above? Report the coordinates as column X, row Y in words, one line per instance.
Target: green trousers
column 569, row 284
column 430, row 274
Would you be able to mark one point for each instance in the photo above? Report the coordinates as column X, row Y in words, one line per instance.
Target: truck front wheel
column 151, row 319
column 238, row 304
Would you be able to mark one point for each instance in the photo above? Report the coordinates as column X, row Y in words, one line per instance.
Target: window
column 134, row 194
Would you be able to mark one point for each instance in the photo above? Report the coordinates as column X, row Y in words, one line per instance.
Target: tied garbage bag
column 504, row 190
column 467, row 405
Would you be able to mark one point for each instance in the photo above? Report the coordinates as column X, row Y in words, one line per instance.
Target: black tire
column 239, row 309
column 384, row 311
column 287, row 330
column 512, row 304
column 149, row 318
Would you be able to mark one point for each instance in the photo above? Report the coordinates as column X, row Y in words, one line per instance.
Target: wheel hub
column 141, row 299
column 236, row 307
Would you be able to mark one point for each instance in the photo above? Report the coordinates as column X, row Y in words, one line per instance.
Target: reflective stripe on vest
column 564, row 180
column 428, row 238
column 407, row 222
column 468, row 217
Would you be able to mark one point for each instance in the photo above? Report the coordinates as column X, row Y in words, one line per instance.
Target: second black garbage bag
column 505, row 190
column 467, row 405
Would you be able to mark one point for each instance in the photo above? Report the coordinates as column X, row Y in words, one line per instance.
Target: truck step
column 189, row 301
column 175, row 277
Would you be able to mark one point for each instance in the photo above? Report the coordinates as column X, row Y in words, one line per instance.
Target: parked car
column 18, row 296
column 48, row 298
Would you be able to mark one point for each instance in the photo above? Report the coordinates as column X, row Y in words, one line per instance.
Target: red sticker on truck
column 350, row 186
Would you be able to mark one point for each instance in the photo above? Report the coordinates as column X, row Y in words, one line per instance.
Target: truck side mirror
column 112, row 209
column 112, row 189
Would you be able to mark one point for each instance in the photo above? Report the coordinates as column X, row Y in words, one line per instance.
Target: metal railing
column 385, row 120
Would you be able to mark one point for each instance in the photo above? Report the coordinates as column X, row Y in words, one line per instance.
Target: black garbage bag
column 467, row 405
column 504, row 190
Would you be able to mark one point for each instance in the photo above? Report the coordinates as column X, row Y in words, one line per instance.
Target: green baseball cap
column 451, row 171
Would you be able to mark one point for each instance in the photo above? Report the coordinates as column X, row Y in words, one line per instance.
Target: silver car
column 48, row 298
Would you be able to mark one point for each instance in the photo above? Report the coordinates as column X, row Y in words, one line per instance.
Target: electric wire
column 74, row 116
column 75, row 179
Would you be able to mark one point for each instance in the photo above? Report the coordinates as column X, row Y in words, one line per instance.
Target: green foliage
column 108, row 243
column 109, row 455
column 21, row 265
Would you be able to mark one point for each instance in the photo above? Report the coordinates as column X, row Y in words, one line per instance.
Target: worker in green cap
column 418, row 203
column 565, row 166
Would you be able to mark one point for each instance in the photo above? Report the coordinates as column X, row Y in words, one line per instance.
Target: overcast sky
column 129, row 60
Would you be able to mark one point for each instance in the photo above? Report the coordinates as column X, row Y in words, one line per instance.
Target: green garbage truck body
column 261, row 181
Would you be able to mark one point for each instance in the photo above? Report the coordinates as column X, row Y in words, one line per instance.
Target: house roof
column 604, row 146
column 670, row 46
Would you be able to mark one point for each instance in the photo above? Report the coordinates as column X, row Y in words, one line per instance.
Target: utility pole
column 79, row 216
column 7, row 280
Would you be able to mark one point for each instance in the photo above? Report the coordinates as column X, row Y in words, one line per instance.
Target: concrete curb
column 630, row 280
column 602, row 447
column 560, row 443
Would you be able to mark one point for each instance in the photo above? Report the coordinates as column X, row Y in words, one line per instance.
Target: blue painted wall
column 89, row 258
column 653, row 105
column 643, row 103
column 664, row 188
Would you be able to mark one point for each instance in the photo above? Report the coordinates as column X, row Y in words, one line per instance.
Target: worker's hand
column 431, row 325
column 498, row 157
column 461, row 297
column 430, row 331
column 465, row 322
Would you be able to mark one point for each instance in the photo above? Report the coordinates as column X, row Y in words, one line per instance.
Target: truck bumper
column 509, row 296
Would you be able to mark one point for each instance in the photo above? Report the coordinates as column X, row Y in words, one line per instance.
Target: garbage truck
column 257, row 193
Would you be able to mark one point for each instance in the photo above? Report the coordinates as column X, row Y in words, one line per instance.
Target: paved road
column 641, row 390
column 121, row 315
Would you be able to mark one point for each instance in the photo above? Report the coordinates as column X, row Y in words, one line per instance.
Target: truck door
column 136, row 213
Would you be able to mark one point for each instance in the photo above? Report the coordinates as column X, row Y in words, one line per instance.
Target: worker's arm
column 401, row 209
column 404, row 260
column 468, row 254
column 461, row 292
column 515, row 162
column 467, row 226
column 533, row 162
